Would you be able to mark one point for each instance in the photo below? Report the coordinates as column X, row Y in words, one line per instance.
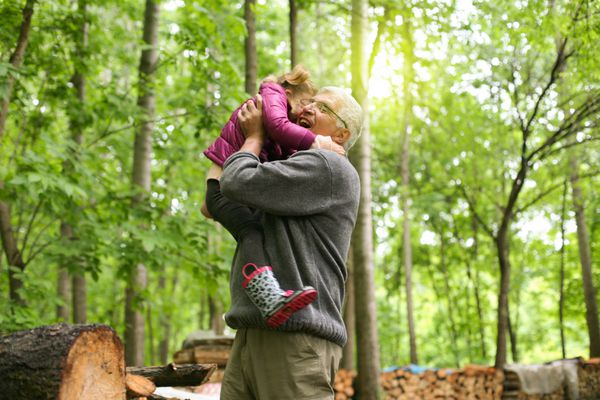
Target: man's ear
column 341, row 136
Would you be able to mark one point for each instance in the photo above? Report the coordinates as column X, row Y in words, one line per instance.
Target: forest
column 478, row 230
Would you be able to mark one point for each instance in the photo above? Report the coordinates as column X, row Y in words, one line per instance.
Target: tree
column 585, row 257
column 362, row 241
column 250, row 46
column 16, row 264
column 293, row 33
column 142, row 157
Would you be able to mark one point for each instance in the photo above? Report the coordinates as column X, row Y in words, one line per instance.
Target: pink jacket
column 284, row 137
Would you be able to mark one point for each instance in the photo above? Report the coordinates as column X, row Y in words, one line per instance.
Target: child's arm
column 276, row 122
column 327, row 143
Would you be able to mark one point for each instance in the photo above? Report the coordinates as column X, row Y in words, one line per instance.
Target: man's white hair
column 349, row 110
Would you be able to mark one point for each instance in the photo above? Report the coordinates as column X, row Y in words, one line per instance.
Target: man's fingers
column 259, row 102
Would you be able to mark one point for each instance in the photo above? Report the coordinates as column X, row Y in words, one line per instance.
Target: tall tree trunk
column 561, row 298
column 512, row 332
column 502, row 327
column 134, row 325
column 16, row 60
column 583, row 241
column 215, row 308
column 364, row 285
column 250, row 46
column 449, row 301
column 350, row 305
column 293, row 33
column 405, row 176
column 79, row 295
column 475, row 280
column 9, row 242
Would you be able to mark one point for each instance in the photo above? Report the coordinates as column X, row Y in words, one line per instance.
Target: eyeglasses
column 324, row 108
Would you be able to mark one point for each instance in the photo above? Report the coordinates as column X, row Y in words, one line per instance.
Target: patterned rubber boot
column 275, row 304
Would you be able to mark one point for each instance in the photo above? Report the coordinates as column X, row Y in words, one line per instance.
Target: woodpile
column 471, row 382
column 214, row 350
column 344, row 384
column 588, row 373
column 82, row 362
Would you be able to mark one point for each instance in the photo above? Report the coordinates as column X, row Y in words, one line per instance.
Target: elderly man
column 308, row 205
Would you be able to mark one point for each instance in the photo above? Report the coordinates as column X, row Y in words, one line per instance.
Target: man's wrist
column 253, row 144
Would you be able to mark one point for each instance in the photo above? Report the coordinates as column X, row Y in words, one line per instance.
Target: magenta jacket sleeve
column 277, row 124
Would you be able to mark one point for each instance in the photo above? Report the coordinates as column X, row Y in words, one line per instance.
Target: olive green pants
column 273, row 365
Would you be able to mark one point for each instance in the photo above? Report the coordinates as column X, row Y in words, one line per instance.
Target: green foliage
column 478, row 70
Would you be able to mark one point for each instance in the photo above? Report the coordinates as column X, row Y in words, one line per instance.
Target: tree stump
column 64, row 362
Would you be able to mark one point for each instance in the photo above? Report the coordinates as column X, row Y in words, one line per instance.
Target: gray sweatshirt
column 310, row 202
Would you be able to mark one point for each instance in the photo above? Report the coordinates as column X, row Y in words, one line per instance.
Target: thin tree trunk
column 449, row 302
column 502, row 327
column 16, row 60
column 134, row 325
column 63, row 291
column 250, row 46
column 364, row 285
column 512, row 332
column 293, row 33
column 561, row 299
column 79, row 288
column 405, row 174
column 215, row 309
column 9, row 242
column 585, row 257
column 348, row 356
column 474, row 227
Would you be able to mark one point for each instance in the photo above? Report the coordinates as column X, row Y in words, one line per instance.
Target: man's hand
column 250, row 119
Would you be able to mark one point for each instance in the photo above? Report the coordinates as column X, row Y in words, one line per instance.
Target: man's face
column 319, row 115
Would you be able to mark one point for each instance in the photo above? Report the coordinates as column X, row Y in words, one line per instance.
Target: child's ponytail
column 298, row 80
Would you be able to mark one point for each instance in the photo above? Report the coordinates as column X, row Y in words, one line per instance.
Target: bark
column 347, row 362
column 364, row 286
column 65, row 362
column 63, row 290
column 134, row 324
column 585, row 257
column 9, row 243
column 250, row 46
column 502, row 324
column 79, row 285
column 293, row 33
column 175, row 374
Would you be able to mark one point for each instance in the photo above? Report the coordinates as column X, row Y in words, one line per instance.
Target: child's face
column 296, row 103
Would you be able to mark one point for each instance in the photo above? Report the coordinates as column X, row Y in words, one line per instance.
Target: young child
column 282, row 99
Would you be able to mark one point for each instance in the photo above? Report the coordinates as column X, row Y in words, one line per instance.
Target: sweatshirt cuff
column 240, row 154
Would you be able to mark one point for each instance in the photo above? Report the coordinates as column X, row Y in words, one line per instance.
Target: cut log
column 64, row 362
column 176, row 374
column 138, row 386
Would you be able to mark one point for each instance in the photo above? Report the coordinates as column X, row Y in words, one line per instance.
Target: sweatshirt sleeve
column 276, row 121
column 300, row 185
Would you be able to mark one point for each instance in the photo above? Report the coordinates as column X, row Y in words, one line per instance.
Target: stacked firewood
column 344, row 384
column 207, row 351
column 588, row 373
column 472, row 382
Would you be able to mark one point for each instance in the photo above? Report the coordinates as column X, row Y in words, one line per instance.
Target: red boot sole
column 295, row 304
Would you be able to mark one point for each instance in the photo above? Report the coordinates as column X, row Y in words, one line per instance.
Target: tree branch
column 485, row 226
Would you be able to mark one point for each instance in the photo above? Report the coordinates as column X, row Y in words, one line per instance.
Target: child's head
column 298, row 87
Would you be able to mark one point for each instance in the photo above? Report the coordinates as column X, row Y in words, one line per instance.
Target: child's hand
column 326, row 143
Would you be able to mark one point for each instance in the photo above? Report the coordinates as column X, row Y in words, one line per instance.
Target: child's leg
column 275, row 304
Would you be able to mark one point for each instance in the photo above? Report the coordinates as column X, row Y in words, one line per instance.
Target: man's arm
column 301, row 185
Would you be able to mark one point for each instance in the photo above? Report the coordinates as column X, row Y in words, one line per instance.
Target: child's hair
column 297, row 80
